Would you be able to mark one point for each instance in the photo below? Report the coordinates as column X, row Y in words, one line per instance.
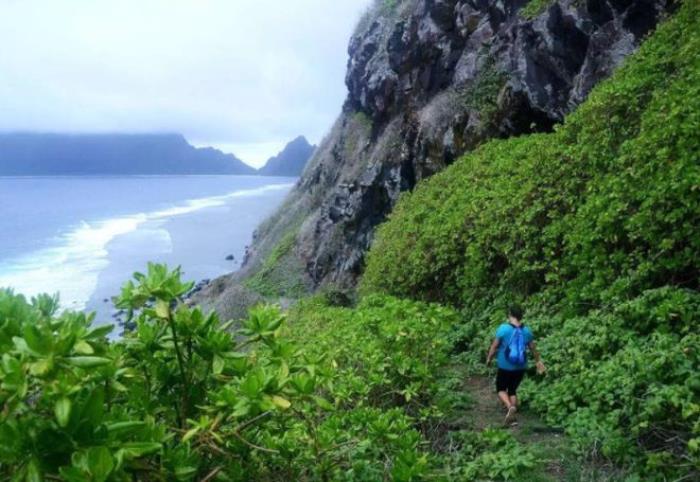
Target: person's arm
column 538, row 361
column 492, row 350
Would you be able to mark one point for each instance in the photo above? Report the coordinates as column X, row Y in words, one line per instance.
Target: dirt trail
column 487, row 412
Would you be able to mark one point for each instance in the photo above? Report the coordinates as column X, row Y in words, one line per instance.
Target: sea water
column 82, row 237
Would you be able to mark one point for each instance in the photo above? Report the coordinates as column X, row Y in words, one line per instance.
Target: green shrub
column 491, row 455
column 184, row 398
column 385, row 352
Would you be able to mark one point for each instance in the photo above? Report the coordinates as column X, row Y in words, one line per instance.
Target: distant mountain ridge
column 36, row 154
column 291, row 160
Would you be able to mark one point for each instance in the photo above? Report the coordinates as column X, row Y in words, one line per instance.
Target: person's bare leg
column 503, row 396
column 512, row 411
column 508, row 402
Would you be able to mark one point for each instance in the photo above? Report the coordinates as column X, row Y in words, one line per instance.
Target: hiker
column 513, row 339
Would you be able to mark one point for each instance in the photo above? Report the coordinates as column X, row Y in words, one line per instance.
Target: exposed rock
column 429, row 81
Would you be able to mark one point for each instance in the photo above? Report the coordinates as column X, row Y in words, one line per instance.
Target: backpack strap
column 512, row 333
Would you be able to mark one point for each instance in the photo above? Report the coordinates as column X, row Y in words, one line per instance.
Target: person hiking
column 513, row 340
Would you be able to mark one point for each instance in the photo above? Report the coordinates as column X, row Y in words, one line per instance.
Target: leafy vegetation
column 394, row 356
column 535, row 7
column 482, row 95
column 177, row 399
column 341, row 394
column 594, row 227
column 281, row 273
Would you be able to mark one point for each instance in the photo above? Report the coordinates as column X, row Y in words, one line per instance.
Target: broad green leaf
column 162, row 309
column 73, row 474
column 185, row 473
column 323, row 403
column 21, row 345
column 36, row 341
column 139, row 449
column 99, row 332
column 121, row 428
column 88, row 361
column 241, row 409
column 251, row 385
column 93, row 408
column 62, row 410
column 119, row 387
column 83, row 348
column 41, row 367
column 281, row 402
column 217, row 365
column 100, row 463
column 284, row 371
column 191, row 433
column 34, row 472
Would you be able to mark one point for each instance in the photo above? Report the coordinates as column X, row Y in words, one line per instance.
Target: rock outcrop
column 429, row 80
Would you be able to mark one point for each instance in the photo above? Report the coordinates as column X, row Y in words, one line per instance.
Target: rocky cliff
column 429, row 80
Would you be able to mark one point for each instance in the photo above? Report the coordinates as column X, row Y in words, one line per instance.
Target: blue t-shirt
column 504, row 332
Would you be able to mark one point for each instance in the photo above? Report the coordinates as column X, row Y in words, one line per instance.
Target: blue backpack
column 515, row 350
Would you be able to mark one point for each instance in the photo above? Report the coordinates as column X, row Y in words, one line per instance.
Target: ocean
column 83, row 237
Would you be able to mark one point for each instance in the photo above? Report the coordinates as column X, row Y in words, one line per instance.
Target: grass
column 281, row 273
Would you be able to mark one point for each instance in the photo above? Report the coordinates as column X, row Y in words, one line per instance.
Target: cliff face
column 429, row 80
column 32, row 154
column 290, row 161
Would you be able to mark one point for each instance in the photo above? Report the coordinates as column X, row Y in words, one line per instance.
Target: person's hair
column 516, row 312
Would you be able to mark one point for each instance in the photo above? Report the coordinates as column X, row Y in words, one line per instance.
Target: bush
column 176, row 399
column 184, row 397
column 386, row 352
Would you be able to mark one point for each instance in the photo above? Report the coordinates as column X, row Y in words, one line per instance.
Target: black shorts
column 509, row 380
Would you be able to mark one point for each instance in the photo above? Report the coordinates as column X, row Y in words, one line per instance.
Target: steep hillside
column 593, row 227
column 31, row 154
column 290, row 161
column 429, row 80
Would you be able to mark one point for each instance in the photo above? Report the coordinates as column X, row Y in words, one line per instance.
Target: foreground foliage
column 595, row 228
column 342, row 394
column 177, row 399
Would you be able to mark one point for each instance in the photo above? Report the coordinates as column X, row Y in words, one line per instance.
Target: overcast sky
column 242, row 75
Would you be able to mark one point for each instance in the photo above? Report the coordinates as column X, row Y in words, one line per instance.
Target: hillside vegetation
column 594, row 227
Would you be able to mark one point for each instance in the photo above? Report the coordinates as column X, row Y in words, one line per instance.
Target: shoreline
column 89, row 261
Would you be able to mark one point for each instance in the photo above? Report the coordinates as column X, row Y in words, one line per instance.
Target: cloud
column 222, row 72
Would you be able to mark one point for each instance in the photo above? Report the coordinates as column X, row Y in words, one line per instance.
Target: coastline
column 88, row 261
column 199, row 241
